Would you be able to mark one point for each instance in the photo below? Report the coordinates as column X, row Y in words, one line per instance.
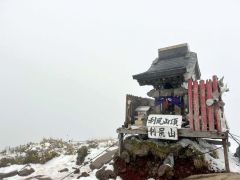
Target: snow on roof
column 142, row 108
column 172, row 61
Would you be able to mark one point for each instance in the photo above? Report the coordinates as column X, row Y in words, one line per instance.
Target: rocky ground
column 98, row 159
column 146, row 159
column 71, row 160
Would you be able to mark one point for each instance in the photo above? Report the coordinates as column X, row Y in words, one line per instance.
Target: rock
column 163, row 169
column 10, row 174
column 136, row 148
column 125, row 156
column 119, row 165
column 103, row 174
column 76, row 171
column 26, row 171
column 39, row 177
column 81, row 154
column 63, row 170
column 237, row 154
column 167, row 167
column 84, row 174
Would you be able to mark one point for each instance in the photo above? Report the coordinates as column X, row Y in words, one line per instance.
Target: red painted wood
column 216, row 106
column 190, row 104
column 210, row 108
column 196, row 106
column 203, row 105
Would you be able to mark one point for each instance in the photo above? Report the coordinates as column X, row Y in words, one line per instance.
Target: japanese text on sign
column 161, row 126
column 163, row 132
column 164, row 120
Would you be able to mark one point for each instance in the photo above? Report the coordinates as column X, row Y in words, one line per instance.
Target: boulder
column 63, row 170
column 10, row 174
column 81, row 154
column 84, row 174
column 136, row 148
column 26, row 171
column 125, row 156
column 103, row 174
column 76, row 171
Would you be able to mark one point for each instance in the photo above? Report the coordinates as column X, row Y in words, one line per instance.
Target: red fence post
column 210, row 108
column 190, row 104
column 203, row 105
column 196, row 106
column 216, row 106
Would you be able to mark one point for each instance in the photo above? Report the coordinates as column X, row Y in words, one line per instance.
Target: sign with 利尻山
column 163, row 132
column 161, row 126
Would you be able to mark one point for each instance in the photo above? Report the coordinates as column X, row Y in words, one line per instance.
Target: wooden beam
column 216, row 142
column 132, row 131
column 188, row 133
column 201, row 134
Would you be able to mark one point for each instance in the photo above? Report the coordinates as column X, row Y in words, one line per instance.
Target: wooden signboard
column 163, row 132
column 164, row 120
column 163, row 126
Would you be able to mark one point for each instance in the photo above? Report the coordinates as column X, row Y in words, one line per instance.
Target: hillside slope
column 142, row 160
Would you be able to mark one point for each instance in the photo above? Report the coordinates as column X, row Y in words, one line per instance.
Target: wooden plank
column 216, row 106
column 203, row 105
column 200, row 134
column 196, row 106
column 132, row 131
column 210, row 108
column 216, row 142
column 190, row 104
column 187, row 132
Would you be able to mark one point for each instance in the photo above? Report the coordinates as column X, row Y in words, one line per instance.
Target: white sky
column 65, row 66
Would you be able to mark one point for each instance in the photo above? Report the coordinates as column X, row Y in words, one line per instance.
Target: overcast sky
column 65, row 66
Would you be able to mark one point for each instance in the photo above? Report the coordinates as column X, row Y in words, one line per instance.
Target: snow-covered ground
column 216, row 164
column 52, row 167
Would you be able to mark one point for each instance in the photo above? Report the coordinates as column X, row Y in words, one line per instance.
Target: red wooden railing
column 202, row 117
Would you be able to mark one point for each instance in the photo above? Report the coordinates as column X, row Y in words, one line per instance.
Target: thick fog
column 65, row 66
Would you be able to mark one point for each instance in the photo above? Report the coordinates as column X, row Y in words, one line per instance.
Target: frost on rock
column 66, row 159
column 139, row 159
column 149, row 157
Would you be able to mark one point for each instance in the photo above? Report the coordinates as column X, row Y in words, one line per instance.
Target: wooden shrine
column 180, row 102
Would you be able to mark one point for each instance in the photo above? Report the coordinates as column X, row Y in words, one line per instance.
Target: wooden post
column 126, row 113
column 203, row 105
column 120, row 138
column 196, row 106
column 210, row 108
column 225, row 150
column 190, row 104
column 216, row 106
